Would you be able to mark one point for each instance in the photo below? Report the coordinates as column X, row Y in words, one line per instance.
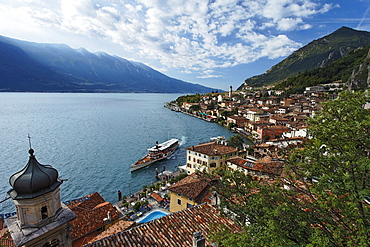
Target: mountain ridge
column 317, row 53
column 351, row 71
column 86, row 71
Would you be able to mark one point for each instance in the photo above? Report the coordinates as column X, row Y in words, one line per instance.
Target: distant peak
column 344, row 27
column 82, row 50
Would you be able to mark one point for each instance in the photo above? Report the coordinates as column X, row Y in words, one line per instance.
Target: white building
column 209, row 156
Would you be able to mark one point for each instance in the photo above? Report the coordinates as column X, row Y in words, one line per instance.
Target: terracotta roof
column 90, row 215
column 262, row 145
column 278, row 127
column 266, row 164
column 269, row 165
column 193, row 187
column 156, row 197
column 171, row 230
column 237, row 161
column 115, row 228
column 5, row 238
column 212, row 149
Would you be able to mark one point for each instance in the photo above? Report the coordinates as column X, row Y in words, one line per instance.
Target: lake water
column 92, row 139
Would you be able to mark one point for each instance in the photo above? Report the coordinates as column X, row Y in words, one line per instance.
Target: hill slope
column 353, row 70
column 317, row 53
column 82, row 70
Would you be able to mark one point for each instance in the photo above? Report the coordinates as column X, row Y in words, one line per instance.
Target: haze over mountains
column 34, row 67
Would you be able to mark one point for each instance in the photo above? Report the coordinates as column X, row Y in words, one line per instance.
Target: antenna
column 29, row 140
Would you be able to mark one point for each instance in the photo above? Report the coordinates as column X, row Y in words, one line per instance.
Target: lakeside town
column 186, row 196
column 262, row 115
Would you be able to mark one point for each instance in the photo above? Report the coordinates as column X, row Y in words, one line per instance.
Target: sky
column 217, row 43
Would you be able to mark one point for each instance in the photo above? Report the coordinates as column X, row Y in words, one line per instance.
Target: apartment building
column 209, row 156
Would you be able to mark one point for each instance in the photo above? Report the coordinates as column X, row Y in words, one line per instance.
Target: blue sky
column 217, row 43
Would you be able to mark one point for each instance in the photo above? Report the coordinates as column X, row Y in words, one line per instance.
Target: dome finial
column 29, row 141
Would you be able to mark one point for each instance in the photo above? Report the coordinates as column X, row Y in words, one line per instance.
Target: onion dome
column 33, row 180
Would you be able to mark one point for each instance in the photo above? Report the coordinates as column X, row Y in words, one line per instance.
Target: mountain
column 360, row 77
column 351, row 70
column 28, row 66
column 19, row 72
column 316, row 54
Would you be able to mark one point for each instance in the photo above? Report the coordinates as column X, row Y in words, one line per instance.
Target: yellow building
column 189, row 192
column 209, row 156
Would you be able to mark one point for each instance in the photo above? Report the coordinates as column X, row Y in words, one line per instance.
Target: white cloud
column 191, row 35
column 208, row 76
column 287, row 24
column 277, row 47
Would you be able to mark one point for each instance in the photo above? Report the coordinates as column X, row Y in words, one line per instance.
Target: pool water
column 152, row 216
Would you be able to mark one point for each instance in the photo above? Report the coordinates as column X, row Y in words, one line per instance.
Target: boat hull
column 147, row 160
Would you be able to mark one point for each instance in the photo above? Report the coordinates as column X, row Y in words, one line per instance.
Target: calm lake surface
column 92, row 139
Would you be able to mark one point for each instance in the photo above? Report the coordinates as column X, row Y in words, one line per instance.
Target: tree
column 236, row 141
column 230, row 125
column 225, row 113
column 327, row 201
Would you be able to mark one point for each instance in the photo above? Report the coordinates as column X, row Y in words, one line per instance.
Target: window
column 188, row 205
column 189, row 158
column 212, row 165
column 179, row 201
column 44, row 212
column 52, row 243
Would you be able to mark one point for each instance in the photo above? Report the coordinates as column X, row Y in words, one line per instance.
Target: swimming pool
column 152, row 216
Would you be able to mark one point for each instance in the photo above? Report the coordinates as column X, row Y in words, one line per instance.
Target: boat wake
column 182, row 140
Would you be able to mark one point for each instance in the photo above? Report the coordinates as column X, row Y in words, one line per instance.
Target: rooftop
column 212, row 149
column 171, row 230
column 193, row 187
column 115, row 228
column 90, row 215
column 266, row 165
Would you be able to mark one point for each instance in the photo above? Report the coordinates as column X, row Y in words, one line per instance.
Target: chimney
column 198, row 239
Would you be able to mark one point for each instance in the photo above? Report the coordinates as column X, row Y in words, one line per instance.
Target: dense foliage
column 194, row 98
column 323, row 200
column 236, row 141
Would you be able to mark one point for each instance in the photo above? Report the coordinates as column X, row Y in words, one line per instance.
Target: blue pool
column 152, row 216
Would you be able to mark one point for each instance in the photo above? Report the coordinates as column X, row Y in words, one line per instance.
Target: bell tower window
column 44, row 212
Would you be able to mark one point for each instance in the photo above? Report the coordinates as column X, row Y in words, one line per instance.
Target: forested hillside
column 316, row 54
column 340, row 70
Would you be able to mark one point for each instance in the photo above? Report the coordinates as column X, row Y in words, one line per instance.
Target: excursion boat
column 156, row 153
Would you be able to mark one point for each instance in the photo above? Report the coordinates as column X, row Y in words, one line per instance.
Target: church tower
column 231, row 92
column 41, row 219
